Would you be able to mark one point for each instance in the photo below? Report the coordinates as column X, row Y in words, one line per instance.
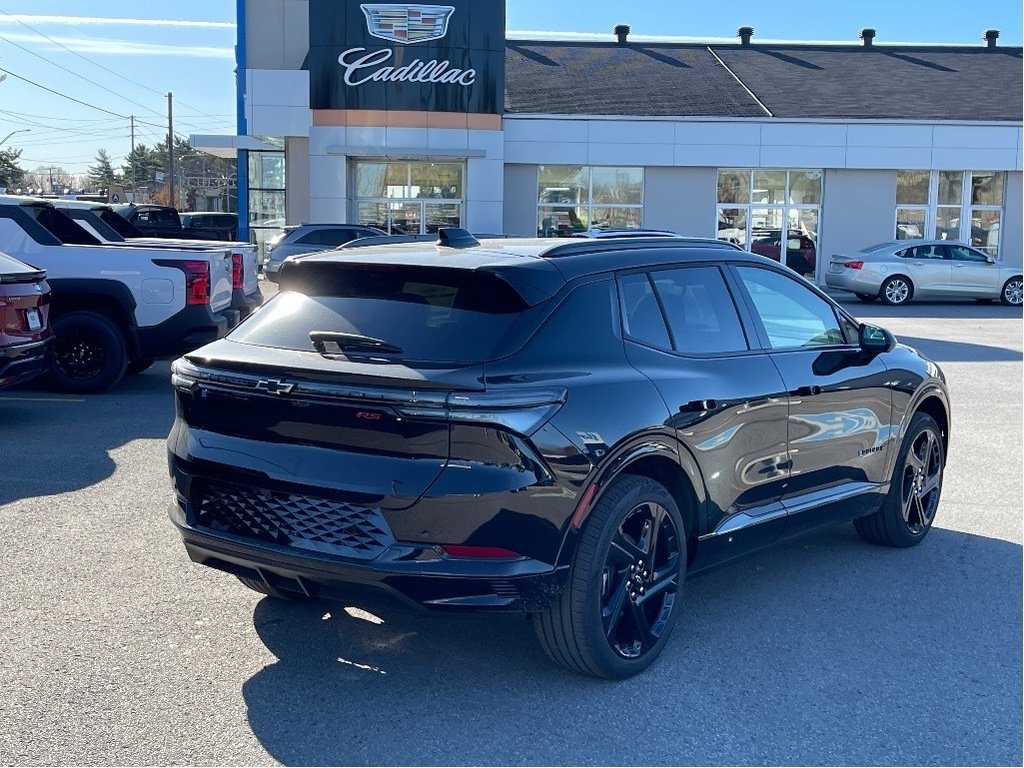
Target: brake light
column 479, row 553
column 854, row 264
column 236, row 271
column 197, row 281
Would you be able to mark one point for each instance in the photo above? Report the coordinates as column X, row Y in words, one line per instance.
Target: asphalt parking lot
column 825, row 650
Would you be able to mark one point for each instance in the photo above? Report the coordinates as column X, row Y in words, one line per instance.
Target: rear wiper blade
column 355, row 342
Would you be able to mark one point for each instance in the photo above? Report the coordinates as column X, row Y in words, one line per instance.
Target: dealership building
column 410, row 117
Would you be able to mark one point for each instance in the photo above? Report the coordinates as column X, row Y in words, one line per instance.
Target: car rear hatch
column 24, row 302
column 352, row 390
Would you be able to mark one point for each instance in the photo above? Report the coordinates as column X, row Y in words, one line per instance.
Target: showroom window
column 266, row 197
column 753, row 204
column 951, row 205
column 409, row 198
column 575, row 198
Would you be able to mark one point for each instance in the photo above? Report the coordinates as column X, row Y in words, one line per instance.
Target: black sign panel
column 407, row 56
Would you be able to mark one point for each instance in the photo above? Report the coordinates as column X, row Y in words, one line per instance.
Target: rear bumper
column 246, row 304
column 409, row 576
column 22, row 362
column 854, row 280
column 189, row 329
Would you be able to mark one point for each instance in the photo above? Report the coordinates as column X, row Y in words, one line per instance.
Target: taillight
column 236, row 271
column 197, row 279
column 854, row 264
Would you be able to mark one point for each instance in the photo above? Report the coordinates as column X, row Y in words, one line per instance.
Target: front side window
column 793, row 316
column 575, row 198
column 962, row 253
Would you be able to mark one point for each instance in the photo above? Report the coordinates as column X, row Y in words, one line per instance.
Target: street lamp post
column 20, row 130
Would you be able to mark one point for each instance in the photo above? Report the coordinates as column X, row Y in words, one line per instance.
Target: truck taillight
column 197, row 279
column 236, row 271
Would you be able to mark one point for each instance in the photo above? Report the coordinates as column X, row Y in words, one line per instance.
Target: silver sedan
column 902, row 270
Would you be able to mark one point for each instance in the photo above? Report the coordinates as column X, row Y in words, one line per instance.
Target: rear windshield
column 431, row 314
column 60, row 226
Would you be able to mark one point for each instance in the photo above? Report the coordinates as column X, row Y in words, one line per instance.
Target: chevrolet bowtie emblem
column 274, row 387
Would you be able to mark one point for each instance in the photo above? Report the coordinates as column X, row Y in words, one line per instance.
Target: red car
column 25, row 334
column 801, row 252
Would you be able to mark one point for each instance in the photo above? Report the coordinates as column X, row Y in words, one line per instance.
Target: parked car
column 559, row 428
column 165, row 221
column 108, row 227
column 224, row 225
column 900, row 271
column 26, row 339
column 801, row 252
column 596, row 233
column 116, row 309
column 310, row 238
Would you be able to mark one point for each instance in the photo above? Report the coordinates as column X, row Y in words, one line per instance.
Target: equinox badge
column 274, row 387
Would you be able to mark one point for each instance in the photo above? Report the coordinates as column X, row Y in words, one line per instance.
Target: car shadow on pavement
column 942, row 351
column 824, row 650
column 62, row 442
column 925, row 309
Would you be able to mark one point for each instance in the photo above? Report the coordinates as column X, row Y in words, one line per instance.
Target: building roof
column 790, row 80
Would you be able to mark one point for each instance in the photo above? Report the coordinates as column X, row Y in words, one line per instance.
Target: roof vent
column 744, row 34
column 622, row 32
column 868, row 36
column 991, row 35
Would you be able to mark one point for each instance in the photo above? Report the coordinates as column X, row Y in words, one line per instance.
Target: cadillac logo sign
column 407, row 23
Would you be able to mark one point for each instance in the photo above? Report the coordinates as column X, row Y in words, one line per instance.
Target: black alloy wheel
column 908, row 512
column 897, row 290
column 1013, row 292
column 617, row 611
column 89, row 353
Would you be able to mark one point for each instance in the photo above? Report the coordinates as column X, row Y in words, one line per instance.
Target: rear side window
column 642, row 319
column 701, row 313
column 432, row 314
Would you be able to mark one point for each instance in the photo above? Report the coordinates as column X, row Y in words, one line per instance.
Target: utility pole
column 132, row 155
column 170, row 145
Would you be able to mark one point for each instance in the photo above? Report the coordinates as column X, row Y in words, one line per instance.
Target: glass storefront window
column 987, row 187
column 985, row 231
column 402, row 198
column 575, row 198
column 266, row 170
column 951, row 187
column 773, row 213
column 910, row 223
column 267, row 199
column 912, row 187
column 947, row 222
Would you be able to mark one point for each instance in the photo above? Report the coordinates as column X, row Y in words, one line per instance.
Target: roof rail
column 583, row 246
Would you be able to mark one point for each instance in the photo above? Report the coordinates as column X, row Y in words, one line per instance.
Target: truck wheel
column 89, row 353
column 140, row 365
column 623, row 596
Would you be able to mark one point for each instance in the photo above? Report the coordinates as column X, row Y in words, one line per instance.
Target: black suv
column 561, row 429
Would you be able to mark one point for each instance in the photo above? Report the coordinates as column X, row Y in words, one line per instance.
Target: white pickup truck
column 115, row 309
column 108, row 226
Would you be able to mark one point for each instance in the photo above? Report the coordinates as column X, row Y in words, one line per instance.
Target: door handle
column 698, row 405
column 809, row 391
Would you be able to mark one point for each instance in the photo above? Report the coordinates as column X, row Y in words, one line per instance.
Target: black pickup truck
column 164, row 221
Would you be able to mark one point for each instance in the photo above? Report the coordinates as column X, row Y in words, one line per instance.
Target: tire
column 1011, row 294
column 138, row 366
column 638, row 602
column 258, row 585
column 908, row 511
column 867, row 298
column 897, row 290
column 89, row 353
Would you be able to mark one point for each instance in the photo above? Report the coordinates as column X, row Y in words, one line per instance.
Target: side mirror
column 793, row 244
column 874, row 339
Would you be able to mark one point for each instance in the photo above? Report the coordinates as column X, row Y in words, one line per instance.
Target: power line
column 80, row 77
column 97, row 64
column 63, row 95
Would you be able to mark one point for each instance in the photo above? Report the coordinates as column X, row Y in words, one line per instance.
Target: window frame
column 762, row 333
column 392, row 204
column 754, row 343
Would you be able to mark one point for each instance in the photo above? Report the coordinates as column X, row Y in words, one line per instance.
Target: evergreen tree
column 12, row 175
column 102, row 175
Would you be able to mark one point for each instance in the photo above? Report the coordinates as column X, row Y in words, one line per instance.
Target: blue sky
column 130, row 52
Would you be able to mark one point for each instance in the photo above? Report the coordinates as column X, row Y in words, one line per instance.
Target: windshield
column 431, row 314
